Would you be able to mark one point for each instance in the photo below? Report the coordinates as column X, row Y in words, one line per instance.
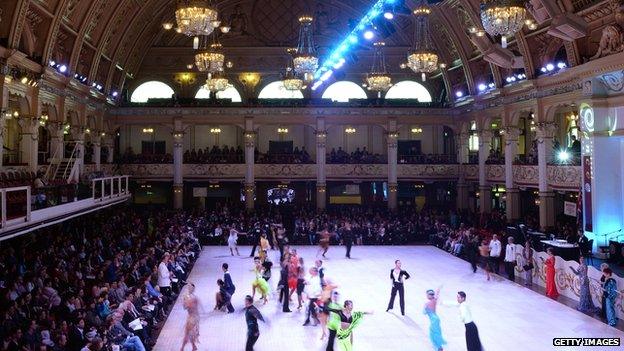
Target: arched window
column 409, row 89
column 229, row 93
column 276, row 90
column 151, row 90
column 343, row 91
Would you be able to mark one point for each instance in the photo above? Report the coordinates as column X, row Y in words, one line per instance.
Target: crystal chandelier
column 291, row 81
column 503, row 17
column 305, row 61
column 378, row 79
column 216, row 82
column 195, row 18
column 211, row 60
column 423, row 58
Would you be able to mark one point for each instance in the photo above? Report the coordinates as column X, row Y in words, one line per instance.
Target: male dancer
column 396, row 275
column 283, row 287
column 313, row 290
column 255, row 238
column 229, row 286
column 473, row 343
column 347, row 238
column 251, row 317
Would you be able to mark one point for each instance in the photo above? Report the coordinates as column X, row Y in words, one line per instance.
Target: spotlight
column 563, row 156
column 76, row 75
column 508, row 79
column 24, row 79
column 491, row 85
column 52, row 63
column 550, row 67
column 482, row 87
column 115, row 94
column 63, row 69
column 368, row 35
column 543, row 69
column 388, row 15
column 561, row 65
column 353, row 39
column 459, row 93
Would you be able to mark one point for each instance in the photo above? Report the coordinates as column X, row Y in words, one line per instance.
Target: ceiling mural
column 93, row 37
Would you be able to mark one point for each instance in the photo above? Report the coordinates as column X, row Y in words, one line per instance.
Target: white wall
column 201, row 137
column 370, row 136
column 300, row 135
column 132, row 136
column 431, row 138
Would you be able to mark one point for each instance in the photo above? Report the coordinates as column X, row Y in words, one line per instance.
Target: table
column 563, row 249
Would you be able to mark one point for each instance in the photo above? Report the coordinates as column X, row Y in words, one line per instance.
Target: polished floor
column 509, row 317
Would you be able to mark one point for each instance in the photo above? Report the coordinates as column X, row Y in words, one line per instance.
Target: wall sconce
column 350, row 130
column 249, row 79
column 43, row 120
column 282, row 130
column 185, row 78
column 16, row 114
column 215, row 130
column 178, row 135
column 393, row 135
column 87, row 130
column 167, row 25
column 148, row 130
column 417, row 130
column 103, row 134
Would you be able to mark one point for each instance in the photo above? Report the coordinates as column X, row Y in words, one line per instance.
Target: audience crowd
column 215, row 155
column 357, row 156
column 102, row 284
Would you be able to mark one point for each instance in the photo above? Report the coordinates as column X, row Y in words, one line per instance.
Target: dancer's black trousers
column 330, row 341
column 397, row 287
column 473, row 343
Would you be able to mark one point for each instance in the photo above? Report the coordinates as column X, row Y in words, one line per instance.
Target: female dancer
column 326, row 304
column 232, row 239
column 300, row 282
column 264, row 247
column 610, row 294
column 293, row 272
column 191, row 329
column 349, row 320
column 259, row 283
column 527, row 256
column 549, row 263
column 324, row 241
column 484, row 251
column 435, row 331
column 585, row 301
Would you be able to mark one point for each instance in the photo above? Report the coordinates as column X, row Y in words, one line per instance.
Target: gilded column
column 57, row 148
column 29, row 141
column 96, row 140
column 321, row 144
column 77, row 134
column 250, row 145
column 485, row 190
column 512, row 193
column 392, row 136
column 178, row 153
column 545, row 133
column 462, row 158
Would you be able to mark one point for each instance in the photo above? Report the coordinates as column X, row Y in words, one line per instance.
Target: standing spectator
column 164, row 276
column 495, row 251
column 510, row 259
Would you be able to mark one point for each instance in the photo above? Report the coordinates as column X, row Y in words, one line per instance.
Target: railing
column 15, row 204
column 427, row 159
column 109, row 187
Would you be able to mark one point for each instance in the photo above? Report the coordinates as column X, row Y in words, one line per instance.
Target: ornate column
column 462, row 158
column 77, row 134
column 545, row 133
column 485, row 190
column 512, row 193
column 321, row 142
column 96, row 140
column 109, row 144
column 2, row 123
column 57, row 147
column 29, row 141
column 4, row 106
column 250, row 144
column 178, row 153
column 392, row 136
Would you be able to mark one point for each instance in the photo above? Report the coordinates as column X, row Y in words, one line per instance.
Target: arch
column 276, row 90
column 151, row 90
column 344, row 90
column 409, row 89
column 230, row 93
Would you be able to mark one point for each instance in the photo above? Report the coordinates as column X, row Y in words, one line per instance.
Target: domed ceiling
column 111, row 40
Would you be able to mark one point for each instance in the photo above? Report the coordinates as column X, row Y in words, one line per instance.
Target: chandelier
column 195, row 18
column 305, row 61
column 378, row 79
column 216, row 82
column 423, row 58
column 503, row 17
column 291, row 81
column 211, row 60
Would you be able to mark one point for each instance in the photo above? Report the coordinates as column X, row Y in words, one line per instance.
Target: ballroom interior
column 500, row 111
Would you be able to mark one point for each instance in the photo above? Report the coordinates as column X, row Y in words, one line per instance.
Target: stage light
column 491, row 85
column 550, row 67
column 561, row 65
column 353, row 39
column 543, row 69
column 459, row 93
column 563, row 156
column 24, row 80
column 368, row 35
column 508, row 79
column 63, row 69
column 482, row 87
column 52, row 63
column 388, row 15
column 115, row 94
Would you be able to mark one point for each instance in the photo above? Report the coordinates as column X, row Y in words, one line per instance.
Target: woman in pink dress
column 551, row 287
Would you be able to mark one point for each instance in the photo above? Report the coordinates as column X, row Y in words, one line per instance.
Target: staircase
column 64, row 169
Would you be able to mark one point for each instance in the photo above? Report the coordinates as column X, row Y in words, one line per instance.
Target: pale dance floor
column 509, row 316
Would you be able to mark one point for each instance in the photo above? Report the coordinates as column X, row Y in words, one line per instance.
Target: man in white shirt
column 313, row 289
column 495, row 252
column 510, row 258
column 473, row 343
column 164, row 276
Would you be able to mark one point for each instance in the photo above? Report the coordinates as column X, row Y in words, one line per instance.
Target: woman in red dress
column 551, row 287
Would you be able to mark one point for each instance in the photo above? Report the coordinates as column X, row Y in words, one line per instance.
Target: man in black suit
column 397, row 275
column 229, row 286
column 347, row 238
column 255, row 238
column 283, row 288
column 77, row 340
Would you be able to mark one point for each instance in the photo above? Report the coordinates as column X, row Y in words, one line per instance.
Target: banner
column 569, row 208
column 587, row 198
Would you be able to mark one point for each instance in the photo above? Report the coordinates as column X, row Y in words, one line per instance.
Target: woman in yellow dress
column 259, row 283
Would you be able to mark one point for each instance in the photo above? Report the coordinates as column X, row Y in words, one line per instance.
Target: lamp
column 305, row 61
column 378, row 78
column 196, row 17
column 504, row 18
column 423, row 58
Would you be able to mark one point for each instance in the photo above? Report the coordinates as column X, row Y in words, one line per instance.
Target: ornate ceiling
column 109, row 40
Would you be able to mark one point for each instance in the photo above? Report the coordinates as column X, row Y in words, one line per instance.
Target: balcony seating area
column 215, row 155
column 192, row 102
